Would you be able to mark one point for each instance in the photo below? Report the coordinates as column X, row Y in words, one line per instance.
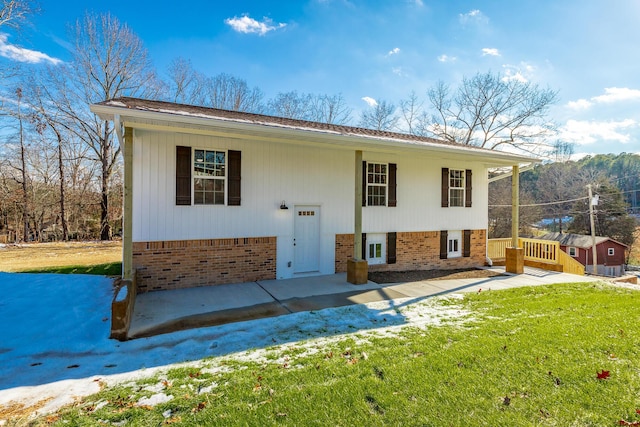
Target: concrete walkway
column 167, row 311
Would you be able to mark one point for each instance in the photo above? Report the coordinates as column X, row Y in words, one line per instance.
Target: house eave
column 211, row 125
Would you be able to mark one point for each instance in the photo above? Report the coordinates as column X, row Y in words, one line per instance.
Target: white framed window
column 456, row 187
column 209, row 177
column 573, row 251
column 376, row 248
column 611, row 251
column 377, row 179
column 454, row 244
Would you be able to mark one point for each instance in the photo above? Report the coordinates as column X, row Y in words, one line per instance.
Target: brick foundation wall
column 189, row 263
column 417, row 251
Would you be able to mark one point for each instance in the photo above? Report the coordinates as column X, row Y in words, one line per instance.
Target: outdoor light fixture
column 283, row 205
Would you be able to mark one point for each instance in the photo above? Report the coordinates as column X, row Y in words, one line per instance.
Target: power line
column 541, row 204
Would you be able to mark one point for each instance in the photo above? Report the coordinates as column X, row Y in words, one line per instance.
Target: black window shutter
column 443, row 244
column 393, row 201
column 183, row 175
column 445, row 188
column 391, row 248
column 364, row 245
column 466, row 244
column 467, row 188
column 364, row 183
column 234, row 174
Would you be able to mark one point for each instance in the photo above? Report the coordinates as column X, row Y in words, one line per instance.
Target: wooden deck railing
column 543, row 251
column 570, row 265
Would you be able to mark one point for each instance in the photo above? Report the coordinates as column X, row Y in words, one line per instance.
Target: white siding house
column 262, row 197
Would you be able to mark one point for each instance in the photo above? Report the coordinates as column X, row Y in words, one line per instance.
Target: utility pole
column 593, row 232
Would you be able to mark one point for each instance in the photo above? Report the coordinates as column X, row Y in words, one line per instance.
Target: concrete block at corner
column 514, row 260
column 357, row 272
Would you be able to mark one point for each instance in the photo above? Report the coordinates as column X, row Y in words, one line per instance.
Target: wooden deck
column 544, row 254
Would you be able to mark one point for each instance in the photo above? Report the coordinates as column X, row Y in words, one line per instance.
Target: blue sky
column 587, row 50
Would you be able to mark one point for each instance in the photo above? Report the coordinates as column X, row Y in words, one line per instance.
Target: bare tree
column 184, row 82
column 414, row 118
column 330, row 109
column 23, row 167
column 381, row 116
column 45, row 118
column 109, row 61
column 13, row 13
column 291, row 105
column 490, row 111
column 227, row 92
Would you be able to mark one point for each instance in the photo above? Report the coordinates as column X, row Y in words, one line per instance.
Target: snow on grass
column 55, row 347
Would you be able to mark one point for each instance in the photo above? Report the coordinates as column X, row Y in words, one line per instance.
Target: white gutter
column 118, row 129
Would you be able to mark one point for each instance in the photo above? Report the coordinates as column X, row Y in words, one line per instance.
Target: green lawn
column 523, row 357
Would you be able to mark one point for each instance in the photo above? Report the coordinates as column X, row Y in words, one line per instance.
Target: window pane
column 211, row 157
column 208, row 198
column 378, row 250
column 456, row 197
column 371, row 251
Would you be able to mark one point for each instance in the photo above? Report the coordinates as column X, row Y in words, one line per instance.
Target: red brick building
column 611, row 255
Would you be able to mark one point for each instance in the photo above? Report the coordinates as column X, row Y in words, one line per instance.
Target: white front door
column 306, row 239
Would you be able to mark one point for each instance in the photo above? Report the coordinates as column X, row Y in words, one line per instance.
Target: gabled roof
column 135, row 112
column 576, row 240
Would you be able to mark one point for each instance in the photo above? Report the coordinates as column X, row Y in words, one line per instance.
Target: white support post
column 515, row 205
column 357, row 235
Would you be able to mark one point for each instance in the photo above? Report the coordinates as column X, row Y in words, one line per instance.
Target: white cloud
column 394, row 51
column 511, row 75
column 614, row 94
column 446, row 58
column 473, row 17
column 398, row 71
column 370, row 101
column 21, row 54
column 611, row 95
column 419, row 3
column 588, row 132
column 490, row 51
column 580, row 104
column 248, row 25
column 521, row 72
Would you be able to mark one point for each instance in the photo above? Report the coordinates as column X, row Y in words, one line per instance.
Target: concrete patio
column 167, row 311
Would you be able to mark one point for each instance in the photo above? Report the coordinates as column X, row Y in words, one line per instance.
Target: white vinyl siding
column 298, row 175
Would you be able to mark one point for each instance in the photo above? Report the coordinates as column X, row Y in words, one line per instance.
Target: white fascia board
column 130, row 117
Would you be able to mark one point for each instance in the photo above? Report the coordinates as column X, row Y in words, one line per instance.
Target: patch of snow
column 208, row 389
column 154, row 400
